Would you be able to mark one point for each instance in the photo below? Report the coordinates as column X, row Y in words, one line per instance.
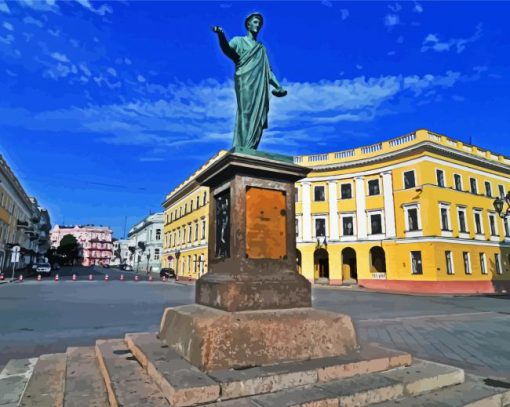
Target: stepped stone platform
column 141, row 370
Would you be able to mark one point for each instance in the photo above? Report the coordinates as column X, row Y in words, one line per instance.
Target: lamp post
column 499, row 203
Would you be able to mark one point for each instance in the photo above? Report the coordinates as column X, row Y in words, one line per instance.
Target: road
column 47, row 316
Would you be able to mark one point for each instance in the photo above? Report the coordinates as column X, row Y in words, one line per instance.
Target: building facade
column 145, row 244
column 23, row 223
column 186, row 227
column 120, row 253
column 414, row 213
column 95, row 242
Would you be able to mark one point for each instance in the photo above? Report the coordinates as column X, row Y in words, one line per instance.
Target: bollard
column 38, row 277
column 164, row 278
column 150, row 278
column 136, row 278
column 74, row 277
column 56, row 277
column 20, row 278
column 122, row 277
column 1, row 277
column 106, row 277
column 90, row 277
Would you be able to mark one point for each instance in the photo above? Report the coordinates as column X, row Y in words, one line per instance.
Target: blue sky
column 107, row 106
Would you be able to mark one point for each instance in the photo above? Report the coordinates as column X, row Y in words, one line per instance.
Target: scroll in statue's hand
column 280, row 92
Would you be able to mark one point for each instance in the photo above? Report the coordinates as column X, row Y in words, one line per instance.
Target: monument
column 252, row 307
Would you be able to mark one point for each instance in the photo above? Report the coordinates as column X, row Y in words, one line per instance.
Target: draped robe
column 252, row 77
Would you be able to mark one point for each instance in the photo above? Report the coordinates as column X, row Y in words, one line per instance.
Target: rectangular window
column 297, row 227
column 445, row 224
column 296, row 195
column 319, row 193
column 409, row 180
column 478, row 223
column 376, row 223
column 205, row 198
column 507, row 227
column 449, row 262
column 497, row 260
column 189, row 234
column 346, row 191
column 462, row 220
column 348, row 225
column 457, row 182
column 158, row 234
column 203, row 229
column 320, row 227
column 483, row 263
column 467, row 262
column 472, row 183
column 488, row 189
column 416, row 265
column 373, row 187
column 501, row 189
column 492, row 224
column 440, row 178
column 412, row 218
column 196, row 230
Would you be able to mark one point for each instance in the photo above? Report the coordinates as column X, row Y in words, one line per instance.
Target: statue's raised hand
column 217, row 29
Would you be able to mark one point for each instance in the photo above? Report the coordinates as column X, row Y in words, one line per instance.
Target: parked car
column 167, row 272
column 127, row 267
column 43, row 268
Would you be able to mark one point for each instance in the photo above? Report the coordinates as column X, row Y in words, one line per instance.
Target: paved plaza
column 46, row 317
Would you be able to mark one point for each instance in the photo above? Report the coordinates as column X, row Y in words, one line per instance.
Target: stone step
column 474, row 392
column 13, row 380
column 181, row 383
column 84, row 385
column 185, row 385
column 127, row 383
column 362, row 390
column 46, row 385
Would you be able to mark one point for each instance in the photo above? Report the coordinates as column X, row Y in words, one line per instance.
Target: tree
column 69, row 249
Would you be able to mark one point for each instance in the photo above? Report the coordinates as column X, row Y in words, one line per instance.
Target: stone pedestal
column 212, row 339
column 252, row 307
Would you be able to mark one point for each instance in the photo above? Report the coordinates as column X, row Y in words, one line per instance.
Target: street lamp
column 499, row 203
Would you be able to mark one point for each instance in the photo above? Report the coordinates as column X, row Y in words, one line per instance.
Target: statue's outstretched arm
column 279, row 91
column 225, row 47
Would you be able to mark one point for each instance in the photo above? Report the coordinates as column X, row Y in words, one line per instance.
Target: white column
column 361, row 216
column 389, row 208
column 307, row 211
column 333, row 211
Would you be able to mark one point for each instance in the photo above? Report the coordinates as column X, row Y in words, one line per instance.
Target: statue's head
column 251, row 23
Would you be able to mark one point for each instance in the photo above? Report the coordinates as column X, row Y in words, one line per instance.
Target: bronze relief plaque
column 266, row 217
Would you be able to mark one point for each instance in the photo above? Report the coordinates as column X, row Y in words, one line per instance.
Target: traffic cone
column 74, row 277
column 136, row 278
column 56, row 277
column 164, row 278
column 90, row 277
column 20, row 278
column 106, row 277
column 150, row 278
column 122, row 277
column 2, row 277
column 38, row 277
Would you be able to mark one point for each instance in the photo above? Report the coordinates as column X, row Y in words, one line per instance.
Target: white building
column 22, row 222
column 120, row 253
column 146, row 244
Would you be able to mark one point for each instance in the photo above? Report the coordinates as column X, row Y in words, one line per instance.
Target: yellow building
column 186, row 220
column 414, row 213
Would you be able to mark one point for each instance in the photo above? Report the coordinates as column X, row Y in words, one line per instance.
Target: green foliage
column 141, row 246
column 69, row 249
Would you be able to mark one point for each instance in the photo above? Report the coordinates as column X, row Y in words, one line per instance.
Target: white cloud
column 34, row 21
column 55, row 33
column 395, row 8
column 4, row 8
column 197, row 113
column 458, row 98
column 140, row 78
column 8, row 26
column 127, row 61
column 391, row 20
column 391, row 53
column 112, row 71
column 8, row 39
column 326, row 3
column 10, row 73
column 40, row 5
column 102, row 10
column 433, row 43
column 418, row 8
column 59, row 57
column 344, row 14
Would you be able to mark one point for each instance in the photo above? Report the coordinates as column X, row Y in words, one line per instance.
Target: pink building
column 95, row 242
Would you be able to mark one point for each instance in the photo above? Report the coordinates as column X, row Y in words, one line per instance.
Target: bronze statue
column 253, row 76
